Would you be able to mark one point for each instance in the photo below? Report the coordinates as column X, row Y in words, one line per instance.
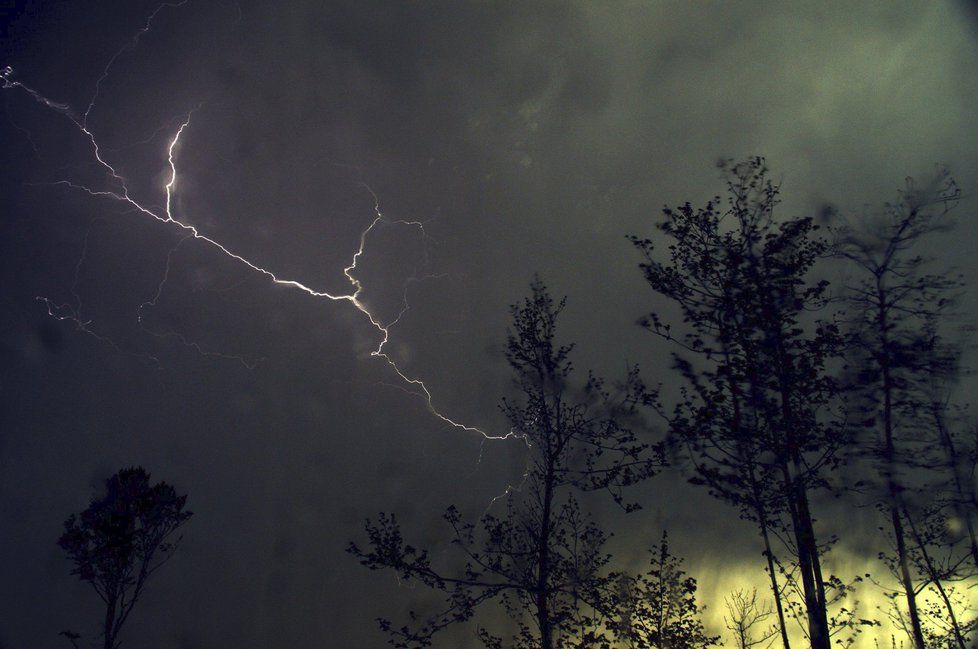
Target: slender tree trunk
column 905, row 578
column 797, row 496
column 759, row 508
column 108, row 632
column 971, row 534
column 543, row 567
column 889, row 459
column 809, row 565
column 801, row 520
column 936, row 579
column 955, row 627
column 769, row 555
column 775, row 589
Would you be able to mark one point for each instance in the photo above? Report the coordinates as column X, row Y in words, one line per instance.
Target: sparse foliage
column 749, row 621
column 895, row 311
column 846, row 624
column 542, row 561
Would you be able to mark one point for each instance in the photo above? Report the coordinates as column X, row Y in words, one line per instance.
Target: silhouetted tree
column 744, row 613
column 658, row 609
column 122, row 538
column 935, row 559
column 542, row 561
column 752, row 410
column 895, row 308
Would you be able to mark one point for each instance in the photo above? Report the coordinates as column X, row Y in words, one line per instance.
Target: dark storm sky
column 527, row 136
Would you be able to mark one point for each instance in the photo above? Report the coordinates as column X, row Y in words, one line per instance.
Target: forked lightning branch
column 119, row 192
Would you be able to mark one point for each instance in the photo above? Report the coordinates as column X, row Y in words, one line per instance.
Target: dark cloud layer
column 528, row 136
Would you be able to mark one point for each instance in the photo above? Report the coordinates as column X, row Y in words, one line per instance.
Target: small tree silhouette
column 120, row 540
column 744, row 613
column 658, row 609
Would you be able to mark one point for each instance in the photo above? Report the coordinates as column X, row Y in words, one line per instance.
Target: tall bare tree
column 542, row 561
column 895, row 305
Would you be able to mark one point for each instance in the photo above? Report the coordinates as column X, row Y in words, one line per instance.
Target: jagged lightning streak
column 122, row 194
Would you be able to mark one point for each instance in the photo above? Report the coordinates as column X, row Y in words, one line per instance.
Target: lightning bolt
column 121, row 194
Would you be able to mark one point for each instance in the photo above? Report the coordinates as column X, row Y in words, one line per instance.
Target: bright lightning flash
column 166, row 217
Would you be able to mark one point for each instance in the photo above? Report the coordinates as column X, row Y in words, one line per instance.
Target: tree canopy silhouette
column 755, row 404
column 120, row 540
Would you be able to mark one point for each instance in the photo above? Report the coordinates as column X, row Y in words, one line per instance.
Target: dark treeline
column 788, row 392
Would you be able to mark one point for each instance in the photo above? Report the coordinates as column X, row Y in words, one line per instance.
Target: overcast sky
column 527, row 137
